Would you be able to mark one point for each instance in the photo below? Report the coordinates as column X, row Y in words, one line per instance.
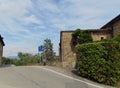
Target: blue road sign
column 40, row 48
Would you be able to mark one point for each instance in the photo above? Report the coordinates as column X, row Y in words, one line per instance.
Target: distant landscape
column 13, row 57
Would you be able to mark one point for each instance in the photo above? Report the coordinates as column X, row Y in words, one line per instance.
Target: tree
column 48, row 49
column 26, row 58
column 6, row 60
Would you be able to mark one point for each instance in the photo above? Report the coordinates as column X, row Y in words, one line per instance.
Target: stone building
column 67, row 55
column 1, row 49
column 113, row 26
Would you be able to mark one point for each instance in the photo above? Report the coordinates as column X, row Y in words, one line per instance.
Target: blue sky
column 25, row 24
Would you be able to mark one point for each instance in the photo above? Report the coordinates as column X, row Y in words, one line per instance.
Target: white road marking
column 70, row 77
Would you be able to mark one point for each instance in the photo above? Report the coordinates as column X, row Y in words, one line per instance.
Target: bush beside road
column 99, row 62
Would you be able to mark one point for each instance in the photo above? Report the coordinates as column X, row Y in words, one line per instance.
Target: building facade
column 66, row 52
column 1, row 49
column 67, row 55
column 113, row 25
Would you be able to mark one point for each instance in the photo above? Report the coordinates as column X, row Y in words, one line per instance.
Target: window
column 102, row 38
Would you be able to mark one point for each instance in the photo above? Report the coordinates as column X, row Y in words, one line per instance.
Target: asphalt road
column 42, row 77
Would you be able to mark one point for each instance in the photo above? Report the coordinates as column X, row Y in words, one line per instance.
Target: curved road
column 42, row 77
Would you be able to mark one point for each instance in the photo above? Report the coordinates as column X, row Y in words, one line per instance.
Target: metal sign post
column 40, row 49
column 44, row 60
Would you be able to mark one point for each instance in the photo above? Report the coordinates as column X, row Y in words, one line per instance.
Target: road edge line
column 61, row 74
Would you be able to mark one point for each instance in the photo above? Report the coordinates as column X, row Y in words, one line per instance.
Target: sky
column 25, row 24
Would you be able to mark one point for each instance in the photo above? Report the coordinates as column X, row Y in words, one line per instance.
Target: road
column 42, row 77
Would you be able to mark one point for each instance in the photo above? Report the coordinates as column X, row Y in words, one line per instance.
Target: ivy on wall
column 81, row 36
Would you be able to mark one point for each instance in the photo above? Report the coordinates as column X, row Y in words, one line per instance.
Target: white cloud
column 14, row 7
column 47, row 5
column 32, row 19
column 10, row 12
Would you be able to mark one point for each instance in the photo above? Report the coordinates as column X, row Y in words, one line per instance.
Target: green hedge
column 99, row 62
column 116, row 38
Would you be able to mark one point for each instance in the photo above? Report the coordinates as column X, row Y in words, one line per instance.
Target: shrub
column 99, row 62
column 117, row 38
column 6, row 60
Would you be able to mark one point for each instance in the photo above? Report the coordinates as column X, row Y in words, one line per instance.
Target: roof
column 89, row 30
column 97, row 30
column 67, row 31
column 111, row 22
column 1, row 39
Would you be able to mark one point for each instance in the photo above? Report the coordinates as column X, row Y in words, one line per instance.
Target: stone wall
column 99, row 35
column 116, row 28
column 1, row 52
column 67, row 54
